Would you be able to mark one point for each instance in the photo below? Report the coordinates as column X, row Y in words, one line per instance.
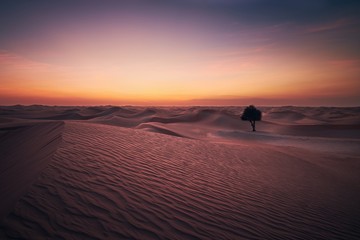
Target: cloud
column 345, row 63
column 13, row 60
column 340, row 23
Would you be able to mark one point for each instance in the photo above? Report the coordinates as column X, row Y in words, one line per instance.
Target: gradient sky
column 183, row 52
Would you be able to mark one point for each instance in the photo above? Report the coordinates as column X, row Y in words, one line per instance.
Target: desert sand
column 179, row 173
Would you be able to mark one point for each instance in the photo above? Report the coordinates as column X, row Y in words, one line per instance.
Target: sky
column 180, row 52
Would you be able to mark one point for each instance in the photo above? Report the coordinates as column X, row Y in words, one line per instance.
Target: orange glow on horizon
column 22, row 78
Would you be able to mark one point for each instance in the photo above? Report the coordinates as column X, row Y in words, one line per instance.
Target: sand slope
column 24, row 152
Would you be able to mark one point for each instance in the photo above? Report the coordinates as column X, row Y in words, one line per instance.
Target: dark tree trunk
column 253, row 125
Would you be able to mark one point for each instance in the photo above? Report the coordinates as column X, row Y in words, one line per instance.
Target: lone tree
column 251, row 114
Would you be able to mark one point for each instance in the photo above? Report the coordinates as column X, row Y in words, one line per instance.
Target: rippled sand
column 188, row 173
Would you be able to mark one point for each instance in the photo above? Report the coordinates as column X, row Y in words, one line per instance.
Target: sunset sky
column 180, row 52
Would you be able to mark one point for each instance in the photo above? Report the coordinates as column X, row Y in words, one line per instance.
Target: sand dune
column 178, row 173
column 292, row 117
column 153, row 127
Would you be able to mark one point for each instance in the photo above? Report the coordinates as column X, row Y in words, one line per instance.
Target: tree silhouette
column 251, row 114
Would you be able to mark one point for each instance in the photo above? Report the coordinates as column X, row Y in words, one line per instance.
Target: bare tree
column 252, row 115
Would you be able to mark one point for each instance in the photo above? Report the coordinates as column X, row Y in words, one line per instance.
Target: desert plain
column 108, row 172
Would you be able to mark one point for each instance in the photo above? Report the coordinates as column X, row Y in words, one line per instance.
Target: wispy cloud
column 345, row 63
column 340, row 23
column 15, row 61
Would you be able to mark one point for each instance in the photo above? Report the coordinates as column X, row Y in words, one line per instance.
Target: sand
column 179, row 173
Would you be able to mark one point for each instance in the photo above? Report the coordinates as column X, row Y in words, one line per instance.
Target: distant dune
column 109, row 172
